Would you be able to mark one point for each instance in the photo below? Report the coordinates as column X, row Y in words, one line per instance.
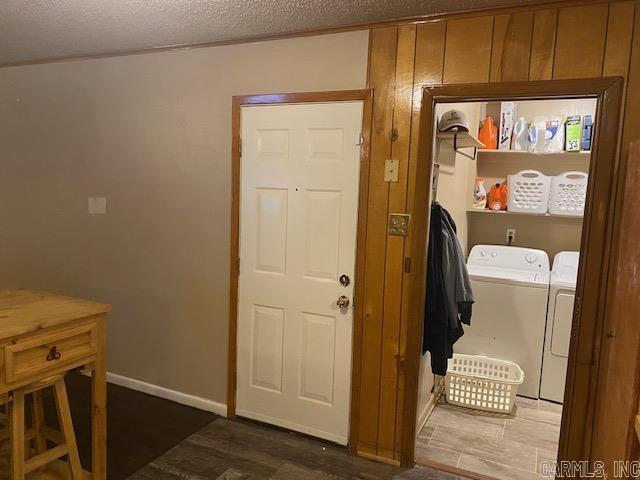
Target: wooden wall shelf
column 486, row 211
column 496, row 165
column 525, row 153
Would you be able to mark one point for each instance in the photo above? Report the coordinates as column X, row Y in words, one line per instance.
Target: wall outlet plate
column 399, row 224
column 391, row 170
column 97, row 205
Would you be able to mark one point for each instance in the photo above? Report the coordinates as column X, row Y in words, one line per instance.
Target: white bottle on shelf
column 520, row 138
column 479, row 195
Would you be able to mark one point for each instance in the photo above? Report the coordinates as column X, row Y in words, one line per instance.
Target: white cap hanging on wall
column 453, row 121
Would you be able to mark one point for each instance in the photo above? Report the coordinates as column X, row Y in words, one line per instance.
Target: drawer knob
column 54, row 354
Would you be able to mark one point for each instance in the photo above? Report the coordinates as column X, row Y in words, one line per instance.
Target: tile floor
column 506, row 447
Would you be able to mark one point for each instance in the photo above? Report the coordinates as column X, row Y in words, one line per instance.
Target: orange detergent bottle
column 488, row 133
column 497, row 198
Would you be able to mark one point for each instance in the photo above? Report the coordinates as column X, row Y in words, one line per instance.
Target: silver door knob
column 343, row 301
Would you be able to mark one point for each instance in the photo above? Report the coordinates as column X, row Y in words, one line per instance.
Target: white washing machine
column 562, row 292
column 511, row 288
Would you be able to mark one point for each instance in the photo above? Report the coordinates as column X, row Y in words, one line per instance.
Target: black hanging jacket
column 449, row 296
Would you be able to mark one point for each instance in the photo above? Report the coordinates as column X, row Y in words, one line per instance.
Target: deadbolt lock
column 344, row 280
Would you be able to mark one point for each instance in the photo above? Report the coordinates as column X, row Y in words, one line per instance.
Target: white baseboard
column 426, row 413
column 431, row 404
column 173, row 395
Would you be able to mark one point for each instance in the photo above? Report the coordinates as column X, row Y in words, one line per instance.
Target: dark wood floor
column 140, row 427
column 241, row 450
column 162, row 440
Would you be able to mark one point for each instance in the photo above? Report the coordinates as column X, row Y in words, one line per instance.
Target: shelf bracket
column 464, row 154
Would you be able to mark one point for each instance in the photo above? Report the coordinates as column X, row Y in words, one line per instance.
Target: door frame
column 599, row 247
column 366, row 96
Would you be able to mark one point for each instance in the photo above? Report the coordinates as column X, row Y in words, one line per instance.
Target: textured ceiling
column 40, row 29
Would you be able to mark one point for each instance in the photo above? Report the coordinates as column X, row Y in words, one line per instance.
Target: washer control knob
column 483, row 253
column 494, row 254
column 531, row 258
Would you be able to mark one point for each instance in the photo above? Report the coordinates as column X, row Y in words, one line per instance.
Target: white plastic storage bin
column 482, row 383
column 568, row 194
column 528, row 192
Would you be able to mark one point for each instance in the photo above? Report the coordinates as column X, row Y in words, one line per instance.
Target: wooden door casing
column 366, row 96
column 598, row 244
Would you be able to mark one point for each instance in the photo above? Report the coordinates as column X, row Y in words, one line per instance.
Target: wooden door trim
column 598, row 246
column 366, row 96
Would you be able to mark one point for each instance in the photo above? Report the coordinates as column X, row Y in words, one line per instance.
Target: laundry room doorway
column 504, row 360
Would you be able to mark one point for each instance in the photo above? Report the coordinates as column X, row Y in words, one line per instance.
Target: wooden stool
column 65, row 439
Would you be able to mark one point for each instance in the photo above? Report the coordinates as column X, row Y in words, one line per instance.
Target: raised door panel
column 324, row 144
column 317, row 358
column 322, row 236
column 267, row 330
column 272, row 144
column 271, row 230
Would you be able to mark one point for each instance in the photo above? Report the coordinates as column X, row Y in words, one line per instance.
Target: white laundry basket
column 482, row 383
column 528, row 192
column 568, row 194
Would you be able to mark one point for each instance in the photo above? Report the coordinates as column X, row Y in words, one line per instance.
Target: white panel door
column 298, row 214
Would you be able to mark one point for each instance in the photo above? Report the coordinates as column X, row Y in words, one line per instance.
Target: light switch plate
column 97, row 205
column 391, row 170
column 399, row 224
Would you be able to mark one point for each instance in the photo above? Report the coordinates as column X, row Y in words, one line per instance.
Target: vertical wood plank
column 580, row 41
column 468, row 50
column 619, row 38
column 617, row 52
column 631, row 127
column 429, row 65
column 511, row 50
column 395, row 244
column 614, row 435
column 430, row 38
column 382, row 60
column 543, row 44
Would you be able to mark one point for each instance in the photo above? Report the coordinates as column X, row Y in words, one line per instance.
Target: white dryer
column 562, row 292
column 511, row 287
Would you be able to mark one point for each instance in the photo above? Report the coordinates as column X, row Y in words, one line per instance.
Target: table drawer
column 47, row 351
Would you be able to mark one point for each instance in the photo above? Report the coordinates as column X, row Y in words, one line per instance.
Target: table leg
column 99, row 399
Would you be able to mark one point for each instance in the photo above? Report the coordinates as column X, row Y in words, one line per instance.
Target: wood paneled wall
column 553, row 41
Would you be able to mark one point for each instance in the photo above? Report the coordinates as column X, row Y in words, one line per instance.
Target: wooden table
column 42, row 334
